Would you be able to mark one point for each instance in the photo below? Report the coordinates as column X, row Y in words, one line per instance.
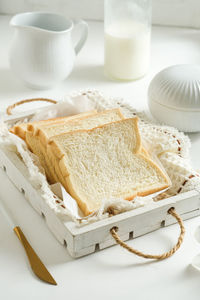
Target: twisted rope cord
column 11, row 107
column 165, row 255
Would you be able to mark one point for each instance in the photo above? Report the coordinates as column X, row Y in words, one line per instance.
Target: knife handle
column 29, row 250
column 36, row 264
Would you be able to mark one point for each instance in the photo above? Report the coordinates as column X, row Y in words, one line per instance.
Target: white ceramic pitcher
column 42, row 53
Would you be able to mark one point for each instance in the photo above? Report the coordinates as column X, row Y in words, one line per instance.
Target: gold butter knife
column 36, row 264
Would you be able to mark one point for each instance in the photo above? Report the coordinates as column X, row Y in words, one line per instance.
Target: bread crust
column 19, row 130
column 48, row 171
column 145, row 152
column 52, row 171
column 81, row 203
column 57, row 170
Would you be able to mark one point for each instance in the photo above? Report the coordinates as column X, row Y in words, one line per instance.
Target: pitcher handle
column 84, row 34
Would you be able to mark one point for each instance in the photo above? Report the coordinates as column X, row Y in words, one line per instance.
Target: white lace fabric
column 167, row 143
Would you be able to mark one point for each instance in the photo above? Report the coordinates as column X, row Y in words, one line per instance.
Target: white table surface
column 112, row 273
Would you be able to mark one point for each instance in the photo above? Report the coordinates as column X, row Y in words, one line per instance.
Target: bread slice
column 86, row 123
column 83, row 122
column 105, row 162
column 21, row 129
column 38, row 136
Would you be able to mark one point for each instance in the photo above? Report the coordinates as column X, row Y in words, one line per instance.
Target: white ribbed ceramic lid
column 177, row 87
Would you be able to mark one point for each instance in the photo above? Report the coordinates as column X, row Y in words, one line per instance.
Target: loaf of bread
column 106, row 162
column 95, row 156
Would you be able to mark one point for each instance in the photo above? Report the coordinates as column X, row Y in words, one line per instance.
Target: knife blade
column 35, row 262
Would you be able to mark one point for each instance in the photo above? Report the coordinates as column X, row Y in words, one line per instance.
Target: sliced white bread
column 86, row 123
column 44, row 132
column 38, row 136
column 21, row 129
column 105, row 162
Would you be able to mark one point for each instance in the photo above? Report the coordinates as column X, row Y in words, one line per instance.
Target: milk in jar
column 127, row 38
column 127, row 50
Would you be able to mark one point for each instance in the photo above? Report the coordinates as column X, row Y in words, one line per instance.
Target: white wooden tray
column 92, row 237
column 96, row 236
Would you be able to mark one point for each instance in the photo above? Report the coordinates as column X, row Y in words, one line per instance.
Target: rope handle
column 11, row 107
column 165, row 255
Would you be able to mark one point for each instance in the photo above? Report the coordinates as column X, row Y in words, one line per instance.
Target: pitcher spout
column 48, row 22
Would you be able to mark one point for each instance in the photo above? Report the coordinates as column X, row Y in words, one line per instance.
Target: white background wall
column 165, row 12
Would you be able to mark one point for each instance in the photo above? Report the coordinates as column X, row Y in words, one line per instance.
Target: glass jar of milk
column 127, row 28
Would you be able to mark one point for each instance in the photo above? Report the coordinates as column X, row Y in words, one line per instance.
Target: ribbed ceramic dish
column 174, row 97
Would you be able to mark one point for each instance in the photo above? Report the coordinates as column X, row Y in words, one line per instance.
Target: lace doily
column 167, row 143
